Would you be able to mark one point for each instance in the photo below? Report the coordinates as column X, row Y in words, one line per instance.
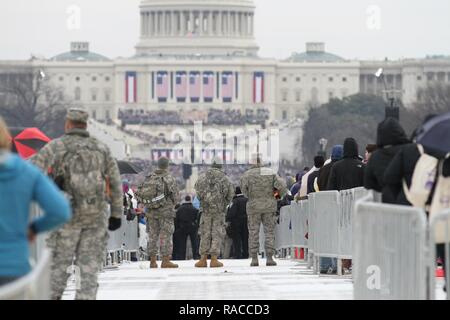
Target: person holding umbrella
column 431, row 141
column 21, row 183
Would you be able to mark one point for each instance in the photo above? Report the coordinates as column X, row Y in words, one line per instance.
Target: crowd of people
column 74, row 178
column 214, row 116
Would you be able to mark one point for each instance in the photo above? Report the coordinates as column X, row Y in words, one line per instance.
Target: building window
column 107, row 79
column 61, row 78
column 77, row 94
column 315, row 95
column 298, row 79
column 284, row 79
column 298, row 96
column 430, row 76
column 314, row 79
column 284, row 96
column 419, row 78
column 94, row 115
column 94, row 96
column 330, row 79
column 94, row 79
column 107, row 96
column 344, row 79
column 441, row 76
column 344, row 93
column 284, row 115
column 77, row 79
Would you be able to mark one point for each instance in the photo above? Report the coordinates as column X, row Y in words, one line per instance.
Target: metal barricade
column 325, row 230
column 299, row 218
column 347, row 205
column 440, row 234
column 389, row 251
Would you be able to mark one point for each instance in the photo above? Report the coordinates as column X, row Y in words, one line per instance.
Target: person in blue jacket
column 21, row 183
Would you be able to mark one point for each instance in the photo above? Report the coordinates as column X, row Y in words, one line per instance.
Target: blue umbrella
column 434, row 135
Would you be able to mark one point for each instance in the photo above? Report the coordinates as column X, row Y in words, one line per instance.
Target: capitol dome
column 197, row 27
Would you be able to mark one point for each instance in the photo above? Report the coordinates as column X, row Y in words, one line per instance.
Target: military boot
column 215, row 263
column 270, row 262
column 166, row 263
column 153, row 264
column 202, row 263
column 255, row 262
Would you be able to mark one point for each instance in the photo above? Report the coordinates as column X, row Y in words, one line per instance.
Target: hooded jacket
column 21, row 183
column 390, row 138
column 324, row 172
column 347, row 173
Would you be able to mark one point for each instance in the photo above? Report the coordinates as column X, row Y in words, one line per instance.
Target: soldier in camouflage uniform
column 85, row 170
column 258, row 185
column 215, row 192
column 160, row 221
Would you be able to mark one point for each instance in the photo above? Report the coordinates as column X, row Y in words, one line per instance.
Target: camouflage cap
column 217, row 163
column 163, row 163
column 77, row 114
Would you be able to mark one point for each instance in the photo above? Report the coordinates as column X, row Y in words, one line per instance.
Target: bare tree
column 433, row 99
column 29, row 100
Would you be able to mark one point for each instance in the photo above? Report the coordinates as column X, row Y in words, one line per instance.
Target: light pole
column 323, row 145
column 391, row 110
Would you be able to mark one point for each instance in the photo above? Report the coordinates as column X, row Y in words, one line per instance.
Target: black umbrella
column 435, row 134
column 126, row 167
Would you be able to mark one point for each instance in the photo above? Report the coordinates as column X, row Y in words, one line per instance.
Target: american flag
column 130, row 87
column 194, row 86
column 162, row 86
column 181, row 86
column 208, row 86
column 258, row 87
column 227, row 86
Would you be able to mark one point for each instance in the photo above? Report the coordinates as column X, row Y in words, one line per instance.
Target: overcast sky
column 363, row 29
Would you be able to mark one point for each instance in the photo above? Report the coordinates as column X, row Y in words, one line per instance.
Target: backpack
column 441, row 202
column 423, row 179
column 213, row 193
column 153, row 192
column 82, row 175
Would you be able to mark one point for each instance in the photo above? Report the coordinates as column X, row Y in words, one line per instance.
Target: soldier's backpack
column 212, row 192
column 83, row 175
column 153, row 192
column 423, row 179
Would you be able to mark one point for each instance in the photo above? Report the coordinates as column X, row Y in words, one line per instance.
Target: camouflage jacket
column 173, row 195
column 214, row 190
column 49, row 159
column 258, row 184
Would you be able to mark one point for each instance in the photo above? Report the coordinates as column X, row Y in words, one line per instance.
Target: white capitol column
column 163, row 24
column 228, row 23
column 252, row 21
column 172, row 24
column 201, row 22
column 210, row 23
column 219, row 27
column 182, row 23
column 156, row 23
column 149, row 24
column 143, row 25
column 191, row 21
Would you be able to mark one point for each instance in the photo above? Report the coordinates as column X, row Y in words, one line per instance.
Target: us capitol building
column 198, row 55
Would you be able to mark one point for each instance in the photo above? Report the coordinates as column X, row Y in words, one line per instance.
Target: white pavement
column 236, row 281
column 290, row 280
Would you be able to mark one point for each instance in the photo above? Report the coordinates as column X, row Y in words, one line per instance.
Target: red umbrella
column 27, row 141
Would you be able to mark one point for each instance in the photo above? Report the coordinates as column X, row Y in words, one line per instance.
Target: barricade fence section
column 389, row 252
column 123, row 242
column 440, row 236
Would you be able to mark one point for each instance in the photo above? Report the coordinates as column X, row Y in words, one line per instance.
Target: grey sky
column 408, row 28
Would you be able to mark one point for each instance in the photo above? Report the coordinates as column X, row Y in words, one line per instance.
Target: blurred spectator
column 21, row 183
column 318, row 164
column 237, row 218
column 324, row 173
column 186, row 224
column 370, row 148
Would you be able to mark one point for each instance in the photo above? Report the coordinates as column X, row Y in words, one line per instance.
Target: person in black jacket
column 390, row 139
column 186, row 224
column 237, row 217
column 324, row 173
column 347, row 173
column 318, row 164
